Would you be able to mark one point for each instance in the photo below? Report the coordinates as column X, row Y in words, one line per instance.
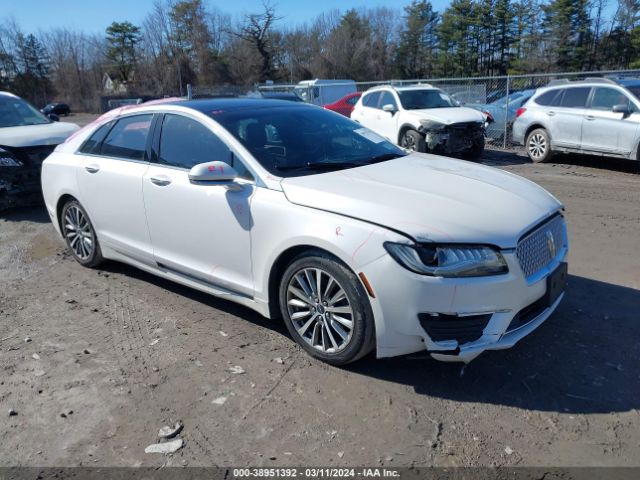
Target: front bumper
column 454, row 138
column 402, row 297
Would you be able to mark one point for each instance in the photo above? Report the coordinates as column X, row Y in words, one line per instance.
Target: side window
column 387, row 98
column 371, row 100
column 128, row 138
column 92, row 144
column 185, row 142
column 550, row 98
column 606, row 98
column 575, row 97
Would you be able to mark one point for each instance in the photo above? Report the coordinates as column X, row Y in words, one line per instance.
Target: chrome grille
column 539, row 248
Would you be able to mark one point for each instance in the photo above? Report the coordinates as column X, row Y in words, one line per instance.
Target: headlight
column 448, row 260
column 431, row 124
column 8, row 160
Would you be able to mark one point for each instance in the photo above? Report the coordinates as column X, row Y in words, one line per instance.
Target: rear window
column 92, row 144
column 550, row 98
column 128, row 138
column 575, row 97
column 371, row 100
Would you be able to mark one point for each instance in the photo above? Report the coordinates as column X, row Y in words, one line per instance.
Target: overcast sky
column 93, row 16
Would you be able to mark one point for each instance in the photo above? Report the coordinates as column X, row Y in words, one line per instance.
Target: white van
column 323, row 92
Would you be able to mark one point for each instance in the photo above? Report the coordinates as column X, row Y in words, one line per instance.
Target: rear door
column 114, row 161
column 605, row 130
column 565, row 118
column 199, row 230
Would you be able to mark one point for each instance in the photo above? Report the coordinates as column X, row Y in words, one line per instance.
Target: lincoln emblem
column 551, row 244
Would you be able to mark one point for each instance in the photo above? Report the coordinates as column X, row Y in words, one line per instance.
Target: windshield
column 15, row 112
column 302, row 140
column 503, row 101
column 419, row 99
column 635, row 90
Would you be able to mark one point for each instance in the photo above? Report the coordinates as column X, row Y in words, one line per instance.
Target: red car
column 345, row 105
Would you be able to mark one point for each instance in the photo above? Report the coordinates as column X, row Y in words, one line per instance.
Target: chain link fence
column 497, row 97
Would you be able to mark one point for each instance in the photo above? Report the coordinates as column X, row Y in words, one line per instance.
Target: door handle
column 590, row 117
column 93, row 168
column 551, row 114
column 161, row 180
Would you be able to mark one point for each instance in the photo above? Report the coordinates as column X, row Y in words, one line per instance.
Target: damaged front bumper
column 20, row 175
column 452, row 139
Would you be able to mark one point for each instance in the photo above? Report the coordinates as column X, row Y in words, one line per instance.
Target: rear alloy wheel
column 79, row 235
column 326, row 309
column 539, row 146
column 414, row 141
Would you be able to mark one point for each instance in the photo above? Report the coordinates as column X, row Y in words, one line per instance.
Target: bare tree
column 257, row 31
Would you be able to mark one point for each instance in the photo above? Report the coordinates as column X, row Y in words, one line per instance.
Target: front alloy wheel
column 326, row 308
column 320, row 310
column 414, row 141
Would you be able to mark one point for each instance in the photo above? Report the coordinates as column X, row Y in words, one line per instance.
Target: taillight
column 520, row 111
column 489, row 117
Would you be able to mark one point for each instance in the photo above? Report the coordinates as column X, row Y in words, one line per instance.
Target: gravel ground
column 94, row 362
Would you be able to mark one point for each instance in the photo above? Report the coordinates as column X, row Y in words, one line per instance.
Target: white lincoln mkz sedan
column 301, row 214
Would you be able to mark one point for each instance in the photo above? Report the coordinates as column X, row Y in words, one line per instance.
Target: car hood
column 449, row 115
column 430, row 198
column 31, row 135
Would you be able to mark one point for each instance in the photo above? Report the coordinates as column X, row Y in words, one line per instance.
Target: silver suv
column 597, row 116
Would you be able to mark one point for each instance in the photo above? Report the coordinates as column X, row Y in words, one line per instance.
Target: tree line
column 184, row 42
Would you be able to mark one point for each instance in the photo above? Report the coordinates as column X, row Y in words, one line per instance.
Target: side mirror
column 623, row 108
column 212, row 172
column 389, row 108
column 54, row 117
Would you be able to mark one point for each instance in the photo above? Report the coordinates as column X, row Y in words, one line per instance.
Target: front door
column 603, row 129
column 387, row 121
column 199, row 230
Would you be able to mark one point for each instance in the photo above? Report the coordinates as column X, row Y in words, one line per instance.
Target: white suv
column 422, row 118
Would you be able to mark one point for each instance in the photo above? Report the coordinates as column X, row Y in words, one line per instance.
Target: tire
column 412, row 140
column 476, row 151
column 538, row 146
column 84, row 247
column 312, row 321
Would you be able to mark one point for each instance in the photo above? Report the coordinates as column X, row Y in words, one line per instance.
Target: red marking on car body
column 355, row 252
column 339, row 232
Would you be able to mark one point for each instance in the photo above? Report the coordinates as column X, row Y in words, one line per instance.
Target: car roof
column 417, row 86
column 8, row 94
column 207, row 106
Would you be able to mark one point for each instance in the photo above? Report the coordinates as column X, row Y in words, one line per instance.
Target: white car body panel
column 430, row 198
column 225, row 239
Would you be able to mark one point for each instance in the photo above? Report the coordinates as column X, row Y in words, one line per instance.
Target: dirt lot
column 114, row 354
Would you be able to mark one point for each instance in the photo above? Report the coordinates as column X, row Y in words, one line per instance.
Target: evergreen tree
column 122, row 39
column 416, row 52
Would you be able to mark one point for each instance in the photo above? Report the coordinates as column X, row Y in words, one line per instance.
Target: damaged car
column 27, row 137
column 422, row 118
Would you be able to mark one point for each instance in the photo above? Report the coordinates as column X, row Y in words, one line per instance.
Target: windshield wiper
column 319, row 166
column 386, row 156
